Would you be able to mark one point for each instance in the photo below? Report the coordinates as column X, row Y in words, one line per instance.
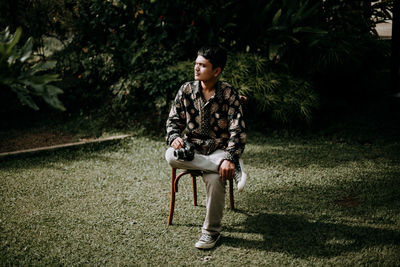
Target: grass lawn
column 307, row 202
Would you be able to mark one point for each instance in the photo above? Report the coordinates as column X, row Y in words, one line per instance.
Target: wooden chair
column 193, row 174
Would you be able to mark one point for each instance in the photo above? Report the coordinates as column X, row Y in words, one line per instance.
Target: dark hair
column 215, row 54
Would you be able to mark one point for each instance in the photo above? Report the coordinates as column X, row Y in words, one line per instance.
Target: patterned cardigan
column 209, row 125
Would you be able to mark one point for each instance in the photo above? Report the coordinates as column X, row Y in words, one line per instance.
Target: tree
column 395, row 71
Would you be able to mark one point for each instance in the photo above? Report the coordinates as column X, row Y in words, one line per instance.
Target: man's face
column 203, row 70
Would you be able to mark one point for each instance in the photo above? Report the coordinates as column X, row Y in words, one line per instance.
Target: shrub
column 277, row 94
column 148, row 95
column 128, row 57
column 18, row 75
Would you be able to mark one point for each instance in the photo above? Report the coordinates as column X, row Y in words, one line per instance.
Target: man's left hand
column 226, row 170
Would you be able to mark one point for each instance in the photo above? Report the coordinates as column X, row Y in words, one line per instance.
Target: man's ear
column 217, row 71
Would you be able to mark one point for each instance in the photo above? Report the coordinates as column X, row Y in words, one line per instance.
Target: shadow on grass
column 299, row 237
column 276, row 221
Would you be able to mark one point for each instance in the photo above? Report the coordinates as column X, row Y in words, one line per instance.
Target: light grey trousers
column 215, row 188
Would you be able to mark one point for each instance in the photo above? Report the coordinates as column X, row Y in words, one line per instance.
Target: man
column 209, row 113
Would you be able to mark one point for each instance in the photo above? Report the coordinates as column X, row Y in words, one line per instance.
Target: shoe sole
column 243, row 179
column 242, row 183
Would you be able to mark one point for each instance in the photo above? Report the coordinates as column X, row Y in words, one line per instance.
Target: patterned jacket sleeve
column 237, row 129
column 176, row 121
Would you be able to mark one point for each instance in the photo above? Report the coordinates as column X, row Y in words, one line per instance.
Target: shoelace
column 206, row 238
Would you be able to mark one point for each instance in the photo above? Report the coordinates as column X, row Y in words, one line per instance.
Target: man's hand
column 226, row 170
column 177, row 143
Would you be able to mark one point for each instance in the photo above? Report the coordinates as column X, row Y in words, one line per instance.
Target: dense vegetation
column 127, row 58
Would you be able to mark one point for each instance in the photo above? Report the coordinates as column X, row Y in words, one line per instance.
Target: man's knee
column 169, row 155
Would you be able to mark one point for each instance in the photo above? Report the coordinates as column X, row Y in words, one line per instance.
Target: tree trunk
column 395, row 71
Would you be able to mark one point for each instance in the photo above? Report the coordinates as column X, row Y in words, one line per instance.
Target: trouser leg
column 207, row 163
column 215, row 202
column 215, row 188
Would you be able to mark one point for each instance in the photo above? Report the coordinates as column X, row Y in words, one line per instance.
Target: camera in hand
column 185, row 153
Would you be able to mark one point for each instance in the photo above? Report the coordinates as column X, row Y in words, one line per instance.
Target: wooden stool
column 193, row 174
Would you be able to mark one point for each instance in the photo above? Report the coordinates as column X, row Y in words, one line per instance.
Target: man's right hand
column 178, row 143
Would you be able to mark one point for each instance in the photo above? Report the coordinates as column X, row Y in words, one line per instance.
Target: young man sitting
column 209, row 114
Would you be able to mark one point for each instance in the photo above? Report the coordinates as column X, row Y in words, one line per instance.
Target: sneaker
column 240, row 176
column 207, row 241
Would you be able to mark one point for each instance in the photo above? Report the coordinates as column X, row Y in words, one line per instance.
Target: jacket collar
column 197, row 89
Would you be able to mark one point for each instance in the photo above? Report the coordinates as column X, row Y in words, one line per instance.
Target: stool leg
column 194, row 186
column 172, row 203
column 231, row 200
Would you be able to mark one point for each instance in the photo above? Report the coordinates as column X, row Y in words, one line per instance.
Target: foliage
column 295, row 24
column 138, row 90
column 24, row 79
column 39, row 19
column 342, row 57
column 91, row 61
column 122, row 56
column 145, row 76
column 279, row 94
column 357, row 17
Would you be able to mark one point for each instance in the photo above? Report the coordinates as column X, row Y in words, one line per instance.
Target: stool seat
column 193, row 173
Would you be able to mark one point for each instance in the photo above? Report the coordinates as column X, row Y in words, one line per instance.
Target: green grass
column 307, row 202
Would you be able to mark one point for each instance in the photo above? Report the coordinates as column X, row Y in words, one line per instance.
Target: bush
column 277, row 94
column 123, row 60
column 128, row 57
column 147, row 95
column 23, row 77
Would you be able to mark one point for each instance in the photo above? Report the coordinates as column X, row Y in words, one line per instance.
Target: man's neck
column 208, row 86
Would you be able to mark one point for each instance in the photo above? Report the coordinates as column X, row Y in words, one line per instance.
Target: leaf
column 230, row 25
column 4, row 34
column 24, row 97
column 277, row 28
column 309, row 30
column 50, row 96
column 38, row 88
column 53, row 90
column 297, row 41
column 276, row 17
column 137, row 55
column 2, row 49
column 44, row 79
column 42, row 66
column 14, row 40
column 26, row 50
column 273, row 51
column 313, row 43
column 306, row 11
